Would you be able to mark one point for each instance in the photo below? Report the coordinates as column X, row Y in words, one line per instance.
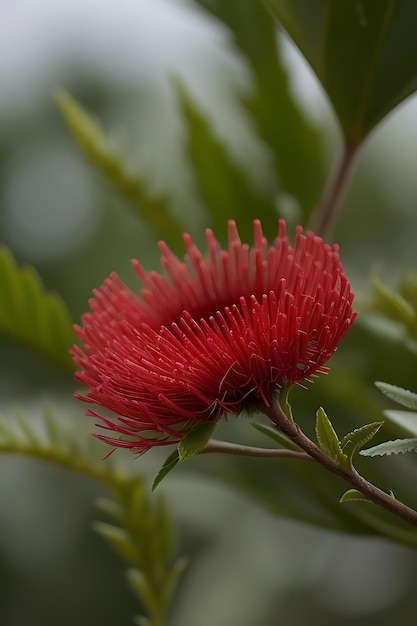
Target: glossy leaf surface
column 353, row 495
column 327, row 437
column 364, row 54
column 196, row 440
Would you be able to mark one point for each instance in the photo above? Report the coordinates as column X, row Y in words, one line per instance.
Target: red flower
column 213, row 335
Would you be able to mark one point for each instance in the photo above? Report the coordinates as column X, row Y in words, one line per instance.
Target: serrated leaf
column 168, row 465
column 364, row 54
column 108, row 160
column 295, row 143
column 328, row 439
column 405, row 419
column 32, row 316
column 357, row 438
column 353, row 495
column 398, row 446
column 224, row 187
column 399, row 395
column 274, row 434
column 195, row 441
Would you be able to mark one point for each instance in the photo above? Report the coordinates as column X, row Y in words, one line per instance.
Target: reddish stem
column 376, row 495
column 328, row 210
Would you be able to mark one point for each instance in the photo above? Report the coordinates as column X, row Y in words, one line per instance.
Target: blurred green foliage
column 215, row 525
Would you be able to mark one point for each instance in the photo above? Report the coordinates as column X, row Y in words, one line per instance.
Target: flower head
column 211, row 335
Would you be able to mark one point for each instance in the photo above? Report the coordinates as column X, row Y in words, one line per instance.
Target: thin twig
column 376, row 495
column 225, row 447
column 328, row 210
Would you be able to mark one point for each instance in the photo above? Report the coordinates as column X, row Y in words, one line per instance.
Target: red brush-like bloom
column 213, row 335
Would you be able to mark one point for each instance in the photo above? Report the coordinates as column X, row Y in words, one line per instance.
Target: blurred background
column 248, row 566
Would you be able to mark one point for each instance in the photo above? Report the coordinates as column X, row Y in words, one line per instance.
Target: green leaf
column 399, row 446
column 357, row 438
column 110, row 507
column 408, row 288
column 399, row 395
column 295, row 143
column 328, row 439
column 393, row 305
column 140, row 585
column 108, row 160
column 49, row 439
column 143, row 538
column 405, row 419
column 353, row 495
column 224, row 187
column 364, row 54
column 31, row 316
column 174, row 575
column 195, row 441
column 284, row 402
column 118, row 538
column 168, row 465
column 274, row 434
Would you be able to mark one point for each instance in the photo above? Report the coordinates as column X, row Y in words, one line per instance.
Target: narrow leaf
column 32, row 316
column 51, row 427
column 224, row 187
column 140, row 585
column 295, row 143
column 112, row 508
column 399, row 395
column 398, row 446
column 405, row 419
column 352, row 495
column 360, row 436
column 328, row 439
column 27, row 430
column 168, row 465
column 118, row 538
column 284, row 402
column 274, row 434
column 6, row 433
column 174, row 575
column 196, row 440
column 107, row 159
column 392, row 304
column 408, row 288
